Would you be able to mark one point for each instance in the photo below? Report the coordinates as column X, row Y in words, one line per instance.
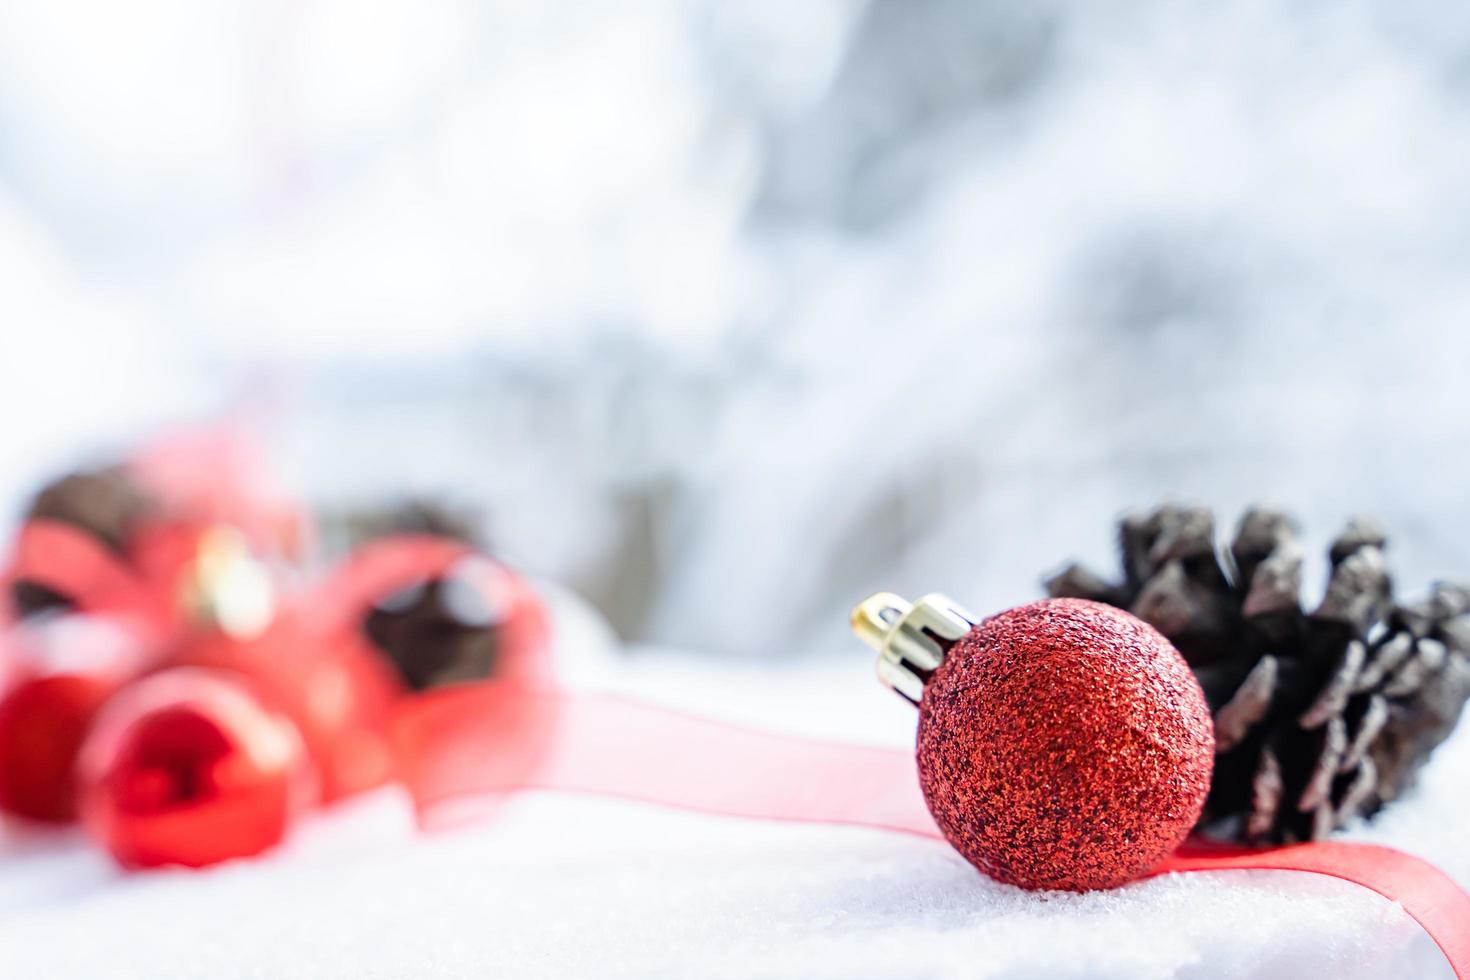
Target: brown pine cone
column 1320, row 716
column 346, row 529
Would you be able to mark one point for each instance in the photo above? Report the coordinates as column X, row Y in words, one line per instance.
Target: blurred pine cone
column 1320, row 716
column 106, row 503
column 345, row 529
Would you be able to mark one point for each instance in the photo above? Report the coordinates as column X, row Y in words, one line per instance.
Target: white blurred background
column 728, row 313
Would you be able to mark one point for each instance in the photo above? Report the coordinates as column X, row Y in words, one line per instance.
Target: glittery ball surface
column 1064, row 745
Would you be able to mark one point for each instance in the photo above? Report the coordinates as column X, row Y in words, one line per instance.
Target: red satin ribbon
column 499, row 738
column 72, row 563
column 1431, row 897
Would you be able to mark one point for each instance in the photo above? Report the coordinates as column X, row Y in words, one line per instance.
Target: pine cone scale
column 1333, row 698
column 1242, row 713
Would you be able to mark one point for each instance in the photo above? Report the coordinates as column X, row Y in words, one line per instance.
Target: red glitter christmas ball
column 1064, row 745
column 189, row 767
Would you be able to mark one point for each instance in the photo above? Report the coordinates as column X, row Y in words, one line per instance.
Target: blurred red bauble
column 43, row 721
column 1063, row 744
column 62, row 668
column 189, row 767
column 330, row 686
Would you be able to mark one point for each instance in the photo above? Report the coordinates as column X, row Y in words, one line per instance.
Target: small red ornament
column 1062, row 745
column 331, row 688
column 42, row 724
column 189, row 767
column 63, row 668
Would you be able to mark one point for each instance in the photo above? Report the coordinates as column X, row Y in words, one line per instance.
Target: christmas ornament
column 290, row 650
column 68, row 662
column 63, row 669
column 1062, row 744
column 42, row 724
column 334, row 693
column 141, row 546
column 1321, row 716
column 189, row 767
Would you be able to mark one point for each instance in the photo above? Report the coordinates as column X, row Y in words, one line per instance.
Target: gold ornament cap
column 227, row 586
column 910, row 638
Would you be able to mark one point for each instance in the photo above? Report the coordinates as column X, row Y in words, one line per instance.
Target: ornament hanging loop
column 911, row 639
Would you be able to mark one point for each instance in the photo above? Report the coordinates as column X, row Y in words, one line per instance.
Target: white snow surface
column 558, row 885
